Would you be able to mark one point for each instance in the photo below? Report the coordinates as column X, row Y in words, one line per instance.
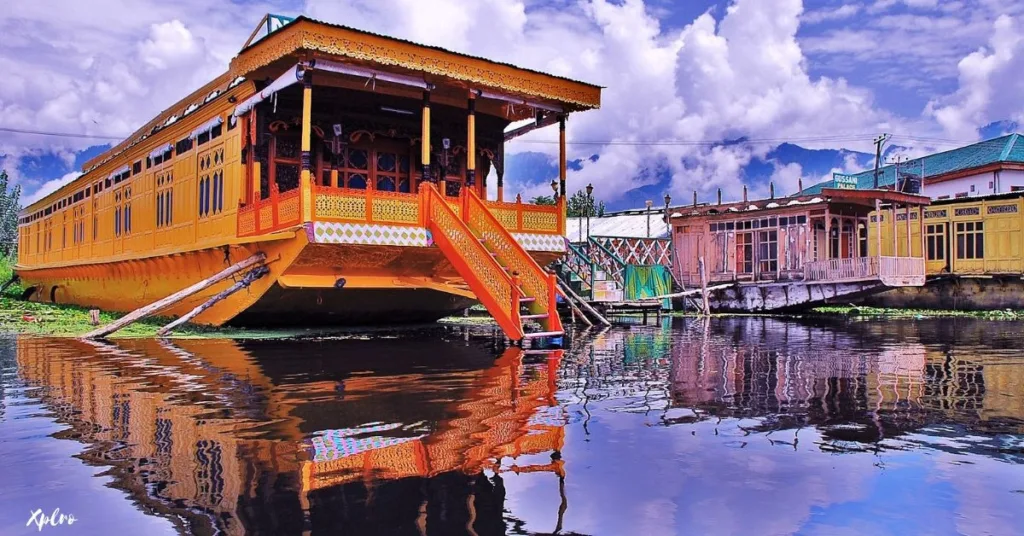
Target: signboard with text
column 845, row 182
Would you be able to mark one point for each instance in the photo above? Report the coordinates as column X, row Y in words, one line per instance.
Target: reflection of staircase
column 504, row 277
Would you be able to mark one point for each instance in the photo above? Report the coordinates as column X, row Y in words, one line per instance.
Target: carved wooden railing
column 902, row 271
column 519, row 217
column 842, row 269
column 366, row 206
column 495, row 288
column 534, row 281
column 277, row 212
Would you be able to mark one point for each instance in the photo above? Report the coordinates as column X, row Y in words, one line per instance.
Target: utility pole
column 879, row 142
column 896, row 181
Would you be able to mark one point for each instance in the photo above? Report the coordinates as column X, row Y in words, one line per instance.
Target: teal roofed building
column 989, row 167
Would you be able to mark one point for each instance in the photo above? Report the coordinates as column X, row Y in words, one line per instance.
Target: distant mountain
column 816, row 163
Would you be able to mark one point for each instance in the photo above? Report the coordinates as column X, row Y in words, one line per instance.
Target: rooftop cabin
column 811, row 238
column 372, row 118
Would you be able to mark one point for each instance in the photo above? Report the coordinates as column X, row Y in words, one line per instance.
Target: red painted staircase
column 503, row 275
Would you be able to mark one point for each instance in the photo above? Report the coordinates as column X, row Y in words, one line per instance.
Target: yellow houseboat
column 973, row 249
column 355, row 163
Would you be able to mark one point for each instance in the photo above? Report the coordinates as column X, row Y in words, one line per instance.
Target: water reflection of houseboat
column 231, row 437
column 850, row 380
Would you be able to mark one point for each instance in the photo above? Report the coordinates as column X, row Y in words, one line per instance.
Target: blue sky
column 822, row 74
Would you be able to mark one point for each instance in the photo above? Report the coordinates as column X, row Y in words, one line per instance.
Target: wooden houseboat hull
column 309, row 283
column 792, row 296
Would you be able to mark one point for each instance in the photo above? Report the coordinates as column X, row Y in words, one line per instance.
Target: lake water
column 731, row 426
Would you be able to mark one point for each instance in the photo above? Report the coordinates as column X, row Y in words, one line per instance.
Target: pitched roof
column 1009, row 148
column 621, row 226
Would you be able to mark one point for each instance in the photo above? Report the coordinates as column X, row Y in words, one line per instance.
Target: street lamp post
column 590, row 207
column 668, row 219
column 649, row 203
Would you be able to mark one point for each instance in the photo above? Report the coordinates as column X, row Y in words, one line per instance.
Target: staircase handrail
column 497, row 290
column 535, row 281
column 583, row 259
column 618, row 267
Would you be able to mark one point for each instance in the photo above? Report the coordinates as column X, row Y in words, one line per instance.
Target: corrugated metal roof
column 1009, row 148
column 626, row 226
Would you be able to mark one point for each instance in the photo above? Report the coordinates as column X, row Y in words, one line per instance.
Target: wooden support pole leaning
column 152, row 308
column 14, row 279
column 689, row 293
column 586, row 306
column 704, row 286
column 246, row 280
column 575, row 310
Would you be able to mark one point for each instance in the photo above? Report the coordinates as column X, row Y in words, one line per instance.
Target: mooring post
column 704, row 285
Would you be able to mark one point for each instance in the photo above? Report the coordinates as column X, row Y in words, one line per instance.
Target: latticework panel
column 544, row 221
column 289, row 208
column 456, row 208
column 266, row 216
column 340, row 206
column 246, row 222
column 641, row 251
column 396, row 210
column 508, row 217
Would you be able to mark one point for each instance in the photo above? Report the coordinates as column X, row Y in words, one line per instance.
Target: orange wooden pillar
column 562, row 171
column 425, row 140
column 307, row 114
column 471, row 143
column 562, row 158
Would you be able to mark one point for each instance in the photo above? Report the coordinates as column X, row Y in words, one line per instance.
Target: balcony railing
column 897, row 271
column 344, row 205
column 279, row 211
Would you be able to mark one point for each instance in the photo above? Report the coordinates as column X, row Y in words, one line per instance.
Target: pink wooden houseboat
column 799, row 251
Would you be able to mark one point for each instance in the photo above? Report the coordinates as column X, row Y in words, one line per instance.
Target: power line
column 59, row 134
column 640, row 143
column 742, row 141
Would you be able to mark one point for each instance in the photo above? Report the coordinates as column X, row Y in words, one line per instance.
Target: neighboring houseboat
column 972, row 233
column 975, row 254
column 791, row 252
column 355, row 163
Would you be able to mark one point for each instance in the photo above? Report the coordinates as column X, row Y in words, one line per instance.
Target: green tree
column 543, row 200
column 581, row 205
column 9, row 206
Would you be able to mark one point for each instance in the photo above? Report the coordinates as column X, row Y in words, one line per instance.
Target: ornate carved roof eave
column 297, row 39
